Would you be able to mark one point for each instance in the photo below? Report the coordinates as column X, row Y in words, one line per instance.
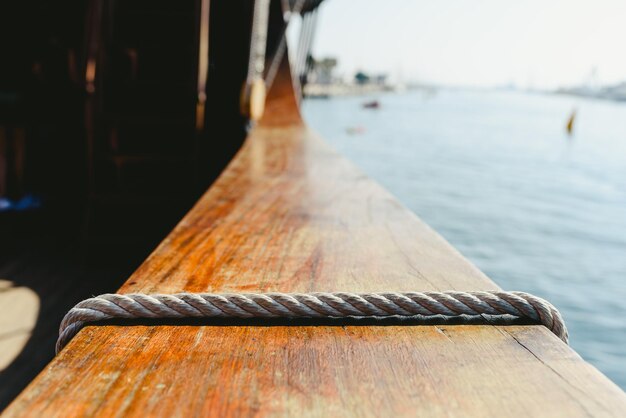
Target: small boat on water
column 373, row 104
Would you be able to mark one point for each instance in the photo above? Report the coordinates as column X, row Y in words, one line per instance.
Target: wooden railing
column 290, row 214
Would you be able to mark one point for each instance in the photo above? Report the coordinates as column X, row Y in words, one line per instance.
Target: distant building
column 380, row 79
column 322, row 71
column 322, row 82
column 616, row 92
column 363, row 78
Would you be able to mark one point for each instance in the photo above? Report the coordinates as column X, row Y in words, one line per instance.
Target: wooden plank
column 289, row 214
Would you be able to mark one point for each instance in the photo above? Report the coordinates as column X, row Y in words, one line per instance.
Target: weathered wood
column 289, row 214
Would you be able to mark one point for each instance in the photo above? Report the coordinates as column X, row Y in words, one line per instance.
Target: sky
column 529, row 43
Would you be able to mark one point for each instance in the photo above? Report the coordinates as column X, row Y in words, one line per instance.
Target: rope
column 312, row 305
column 282, row 43
column 258, row 48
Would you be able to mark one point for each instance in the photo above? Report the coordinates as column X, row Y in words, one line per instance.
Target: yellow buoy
column 570, row 123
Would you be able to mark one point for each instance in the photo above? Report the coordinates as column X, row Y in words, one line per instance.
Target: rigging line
column 252, row 100
column 307, row 53
column 282, row 43
column 303, row 53
column 253, row 95
column 301, row 43
column 258, row 40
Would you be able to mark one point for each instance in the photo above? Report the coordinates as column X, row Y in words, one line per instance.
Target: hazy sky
column 532, row 43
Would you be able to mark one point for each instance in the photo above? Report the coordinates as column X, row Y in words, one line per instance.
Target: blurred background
column 110, row 130
column 502, row 125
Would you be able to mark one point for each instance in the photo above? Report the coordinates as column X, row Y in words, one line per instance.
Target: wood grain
column 289, row 214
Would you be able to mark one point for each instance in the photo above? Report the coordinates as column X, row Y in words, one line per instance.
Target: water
column 495, row 173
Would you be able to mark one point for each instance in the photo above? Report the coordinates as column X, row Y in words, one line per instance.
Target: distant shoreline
column 321, row 91
column 314, row 90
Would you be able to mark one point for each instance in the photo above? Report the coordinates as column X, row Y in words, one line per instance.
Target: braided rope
column 311, row 305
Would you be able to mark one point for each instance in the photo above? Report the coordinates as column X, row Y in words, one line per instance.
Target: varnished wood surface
column 289, row 214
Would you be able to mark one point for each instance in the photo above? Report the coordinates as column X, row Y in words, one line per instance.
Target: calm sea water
column 497, row 176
